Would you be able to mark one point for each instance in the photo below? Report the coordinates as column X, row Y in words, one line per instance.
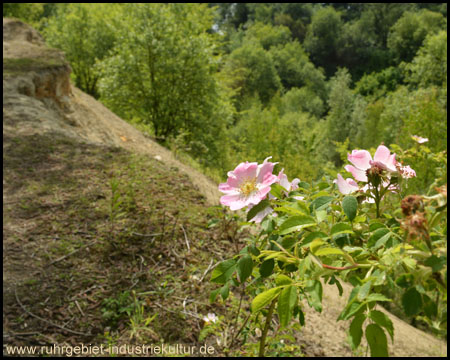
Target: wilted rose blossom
column 247, row 184
column 406, row 171
column 419, row 139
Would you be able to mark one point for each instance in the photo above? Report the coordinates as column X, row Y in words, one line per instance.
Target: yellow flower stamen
column 248, row 186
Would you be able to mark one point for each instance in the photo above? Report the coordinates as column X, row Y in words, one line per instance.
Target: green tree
column 429, row 67
column 304, row 100
column 84, row 32
column 250, row 70
column 30, row 13
column 346, row 113
column 322, row 38
column 268, row 35
column 291, row 136
column 162, row 72
column 296, row 70
column 379, row 84
column 408, row 34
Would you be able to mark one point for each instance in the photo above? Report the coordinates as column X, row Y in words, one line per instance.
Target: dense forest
column 305, row 83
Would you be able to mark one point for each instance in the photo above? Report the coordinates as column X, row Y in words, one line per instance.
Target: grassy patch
column 18, row 66
column 108, row 243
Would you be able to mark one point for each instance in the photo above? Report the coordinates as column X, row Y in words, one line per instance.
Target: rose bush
column 388, row 248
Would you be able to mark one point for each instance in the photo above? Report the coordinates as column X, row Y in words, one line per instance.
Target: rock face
column 39, row 71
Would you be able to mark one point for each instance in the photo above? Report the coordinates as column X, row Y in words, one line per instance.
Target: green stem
column 377, row 201
column 262, row 342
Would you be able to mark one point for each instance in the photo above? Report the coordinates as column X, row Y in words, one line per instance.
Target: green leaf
column 321, row 203
column 244, row 267
column 381, row 241
column 257, row 208
column 376, row 225
column 356, row 331
column 341, row 228
column 277, row 190
column 351, row 309
column 364, row 291
column 376, row 338
column 329, row 251
column 339, row 286
column 213, row 295
column 405, row 280
column 350, row 206
column 430, row 307
column 283, row 280
column 295, row 223
column 376, row 297
column 225, row 291
column 263, row 299
column 303, row 185
column 266, row 268
column 321, row 215
column 223, row 271
column 360, row 219
column 254, row 250
column 377, row 235
column 317, row 243
column 411, row 301
column 288, row 242
column 286, row 303
column 436, row 263
column 314, row 289
column 383, row 320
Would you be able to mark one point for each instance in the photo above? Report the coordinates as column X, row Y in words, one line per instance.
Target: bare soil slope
column 38, row 100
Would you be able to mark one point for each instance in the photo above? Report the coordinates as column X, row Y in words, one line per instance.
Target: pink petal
column 261, row 215
column 283, row 180
column 346, row 186
column 245, row 171
column 259, row 195
column 227, row 189
column 360, row 158
column 294, row 184
column 232, row 180
column 265, row 175
column 391, row 163
column 382, row 154
column 235, row 202
column 359, row 175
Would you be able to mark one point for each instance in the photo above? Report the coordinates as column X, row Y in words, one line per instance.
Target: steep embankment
column 38, row 94
column 74, row 252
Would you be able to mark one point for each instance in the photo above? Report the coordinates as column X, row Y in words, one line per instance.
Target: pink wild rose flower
column 247, row 184
column 383, row 161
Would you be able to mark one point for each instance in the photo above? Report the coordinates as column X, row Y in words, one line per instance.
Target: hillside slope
column 71, row 256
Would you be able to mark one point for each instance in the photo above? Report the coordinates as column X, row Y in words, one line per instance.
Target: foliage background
column 223, row 82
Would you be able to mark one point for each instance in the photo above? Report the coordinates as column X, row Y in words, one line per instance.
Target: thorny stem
column 262, row 342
